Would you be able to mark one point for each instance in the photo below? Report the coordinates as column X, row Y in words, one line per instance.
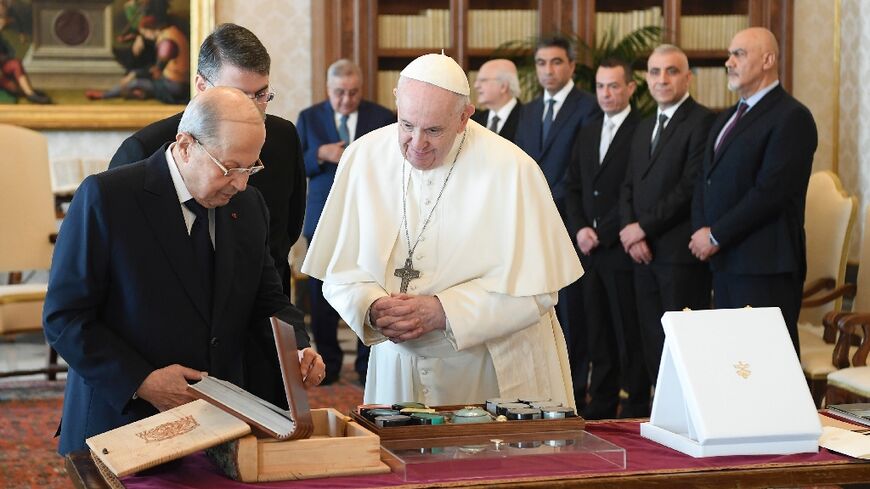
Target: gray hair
column 343, row 68
column 202, row 121
column 232, row 44
column 512, row 81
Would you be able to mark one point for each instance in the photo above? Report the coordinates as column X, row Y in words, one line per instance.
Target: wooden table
column 766, row 473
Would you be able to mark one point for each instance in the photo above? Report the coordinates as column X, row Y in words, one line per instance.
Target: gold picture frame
column 79, row 117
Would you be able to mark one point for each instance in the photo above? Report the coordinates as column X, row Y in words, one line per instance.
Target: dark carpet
column 30, row 411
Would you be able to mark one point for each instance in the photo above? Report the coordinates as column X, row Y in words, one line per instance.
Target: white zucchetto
column 439, row 70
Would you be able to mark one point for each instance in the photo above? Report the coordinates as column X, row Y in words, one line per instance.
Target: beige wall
column 814, row 73
column 842, row 116
column 854, row 140
column 284, row 27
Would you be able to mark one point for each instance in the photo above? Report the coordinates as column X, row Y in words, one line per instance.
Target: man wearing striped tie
column 326, row 129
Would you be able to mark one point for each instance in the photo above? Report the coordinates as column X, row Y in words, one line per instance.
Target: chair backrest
column 862, row 297
column 830, row 219
column 27, row 214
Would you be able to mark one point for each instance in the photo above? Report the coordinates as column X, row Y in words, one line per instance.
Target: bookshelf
column 382, row 36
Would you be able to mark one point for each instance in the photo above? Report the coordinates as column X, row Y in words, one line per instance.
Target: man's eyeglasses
column 232, row 171
column 262, row 97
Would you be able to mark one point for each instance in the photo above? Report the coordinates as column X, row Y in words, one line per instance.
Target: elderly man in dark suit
column 592, row 185
column 232, row 56
column 326, row 129
column 656, row 199
column 498, row 87
column 158, row 270
column 546, row 132
column 748, row 210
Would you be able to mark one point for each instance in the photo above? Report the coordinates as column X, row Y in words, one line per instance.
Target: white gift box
column 730, row 383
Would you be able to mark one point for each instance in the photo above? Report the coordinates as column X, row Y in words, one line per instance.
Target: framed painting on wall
column 98, row 64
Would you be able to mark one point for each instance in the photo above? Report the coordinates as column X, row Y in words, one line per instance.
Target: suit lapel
column 766, row 103
column 569, row 106
column 163, row 213
column 672, row 126
column 509, row 126
column 536, row 114
column 328, row 116
column 622, row 137
column 225, row 251
column 595, row 148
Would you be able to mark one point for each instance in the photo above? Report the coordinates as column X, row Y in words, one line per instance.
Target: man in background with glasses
column 233, row 56
column 160, row 267
column 326, row 128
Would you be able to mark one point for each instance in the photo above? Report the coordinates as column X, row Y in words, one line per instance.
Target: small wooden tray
column 471, row 429
column 337, row 447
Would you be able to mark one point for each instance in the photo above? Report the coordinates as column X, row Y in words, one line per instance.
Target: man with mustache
column 748, row 210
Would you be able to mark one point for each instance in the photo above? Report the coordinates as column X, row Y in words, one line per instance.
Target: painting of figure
column 95, row 52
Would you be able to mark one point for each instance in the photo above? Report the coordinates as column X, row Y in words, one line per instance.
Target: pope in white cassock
column 445, row 252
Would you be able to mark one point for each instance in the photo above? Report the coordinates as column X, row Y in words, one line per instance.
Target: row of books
column 709, row 87
column 387, row 80
column 617, row 25
column 492, row 28
column 428, row 29
column 710, row 31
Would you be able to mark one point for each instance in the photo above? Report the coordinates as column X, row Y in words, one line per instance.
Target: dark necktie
column 741, row 109
column 343, row 133
column 548, row 120
column 202, row 247
column 661, row 127
column 493, row 124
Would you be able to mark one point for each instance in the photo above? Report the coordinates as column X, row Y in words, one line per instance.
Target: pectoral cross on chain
column 406, row 273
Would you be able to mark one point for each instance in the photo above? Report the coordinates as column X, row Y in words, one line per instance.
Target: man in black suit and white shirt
column 656, row 201
column 592, row 184
column 498, row 87
column 748, row 210
column 233, row 56
column 547, row 129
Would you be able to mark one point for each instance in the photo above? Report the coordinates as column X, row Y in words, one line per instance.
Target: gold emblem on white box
column 743, row 369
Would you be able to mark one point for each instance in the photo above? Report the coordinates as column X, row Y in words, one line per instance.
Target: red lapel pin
column 234, row 215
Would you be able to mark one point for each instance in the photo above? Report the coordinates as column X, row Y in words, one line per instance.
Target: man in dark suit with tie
column 655, row 202
column 326, row 129
column 233, row 56
column 748, row 210
column 159, row 268
column 498, row 87
column 546, row 132
column 592, row 184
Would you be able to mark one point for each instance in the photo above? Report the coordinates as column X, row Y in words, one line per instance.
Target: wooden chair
column 28, row 228
column 852, row 382
column 819, row 363
column 830, row 220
